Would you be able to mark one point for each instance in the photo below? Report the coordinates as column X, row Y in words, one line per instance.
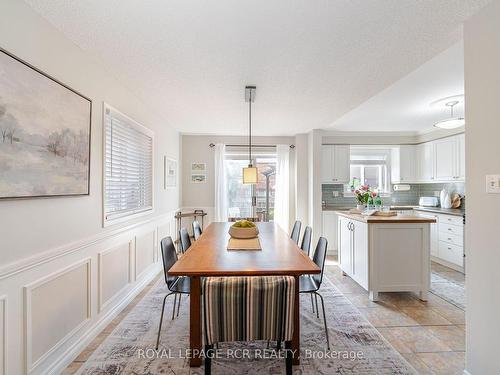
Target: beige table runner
column 244, row 244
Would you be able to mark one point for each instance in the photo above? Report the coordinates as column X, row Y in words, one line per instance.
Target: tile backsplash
column 396, row 198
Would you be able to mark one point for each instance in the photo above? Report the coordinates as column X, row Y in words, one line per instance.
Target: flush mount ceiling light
column 250, row 172
column 452, row 122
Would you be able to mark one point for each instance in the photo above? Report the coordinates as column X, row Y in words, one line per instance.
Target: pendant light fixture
column 250, row 172
column 452, row 122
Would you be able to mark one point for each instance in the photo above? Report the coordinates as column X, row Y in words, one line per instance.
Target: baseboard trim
column 75, row 349
column 25, row 264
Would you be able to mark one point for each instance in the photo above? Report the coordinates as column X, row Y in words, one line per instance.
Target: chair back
column 296, row 232
column 169, row 257
column 185, row 240
column 196, row 229
column 306, row 240
column 319, row 258
column 248, row 308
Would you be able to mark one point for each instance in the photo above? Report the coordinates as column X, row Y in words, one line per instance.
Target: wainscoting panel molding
column 56, row 307
column 145, row 245
column 3, row 335
column 115, row 272
column 56, row 303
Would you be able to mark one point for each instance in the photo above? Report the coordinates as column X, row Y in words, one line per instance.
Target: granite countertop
column 439, row 210
column 414, row 218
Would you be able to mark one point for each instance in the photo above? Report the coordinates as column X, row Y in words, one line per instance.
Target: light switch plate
column 493, row 183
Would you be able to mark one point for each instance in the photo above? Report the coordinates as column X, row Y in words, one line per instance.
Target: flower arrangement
column 363, row 194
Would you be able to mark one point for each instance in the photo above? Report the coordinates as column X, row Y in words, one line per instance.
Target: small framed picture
column 198, row 179
column 169, row 172
column 198, row 167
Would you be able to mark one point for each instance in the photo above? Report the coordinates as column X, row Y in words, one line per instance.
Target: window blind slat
column 128, row 166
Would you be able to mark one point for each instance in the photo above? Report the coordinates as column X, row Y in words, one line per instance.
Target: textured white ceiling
column 312, row 61
column 406, row 104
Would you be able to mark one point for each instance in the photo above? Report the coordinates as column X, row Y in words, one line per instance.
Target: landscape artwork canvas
column 44, row 134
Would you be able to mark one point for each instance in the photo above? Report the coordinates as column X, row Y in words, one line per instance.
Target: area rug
column 449, row 289
column 356, row 346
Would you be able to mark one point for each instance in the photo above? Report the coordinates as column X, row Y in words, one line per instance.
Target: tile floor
column 430, row 335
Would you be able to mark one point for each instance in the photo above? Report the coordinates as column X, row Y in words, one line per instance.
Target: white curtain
column 282, row 189
column 220, row 184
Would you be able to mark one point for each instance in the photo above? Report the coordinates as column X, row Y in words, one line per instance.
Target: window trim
column 139, row 212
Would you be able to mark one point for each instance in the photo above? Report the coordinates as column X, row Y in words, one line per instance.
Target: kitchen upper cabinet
column 403, row 164
column 445, row 153
column 335, row 164
column 461, row 156
column 425, row 161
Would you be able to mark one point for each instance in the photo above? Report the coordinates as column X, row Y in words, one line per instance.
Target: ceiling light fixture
column 452, row 122
column 250, row 172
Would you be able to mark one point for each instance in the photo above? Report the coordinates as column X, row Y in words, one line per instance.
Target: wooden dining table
column 209, row 256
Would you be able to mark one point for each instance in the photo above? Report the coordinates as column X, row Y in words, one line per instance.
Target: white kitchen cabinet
column 451, row 241
column 353, row 250
column 329, row 230
column 461, row 157
column 445, row 159
column 425, row 161
column 403, row 164
column 335, row 164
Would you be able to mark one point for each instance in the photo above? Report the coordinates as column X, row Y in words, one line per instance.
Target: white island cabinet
column 386, row 254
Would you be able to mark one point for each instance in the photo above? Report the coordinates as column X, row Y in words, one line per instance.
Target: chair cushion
column 248, row 308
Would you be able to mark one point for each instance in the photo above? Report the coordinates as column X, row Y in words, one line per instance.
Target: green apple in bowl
column 243, row 229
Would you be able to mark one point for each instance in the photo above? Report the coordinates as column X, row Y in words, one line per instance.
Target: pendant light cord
column 250, row 129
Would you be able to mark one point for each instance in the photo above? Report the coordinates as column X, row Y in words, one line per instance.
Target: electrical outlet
column 335, row 194
column 493, row 184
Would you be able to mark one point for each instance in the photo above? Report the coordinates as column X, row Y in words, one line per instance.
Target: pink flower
column 374, row 194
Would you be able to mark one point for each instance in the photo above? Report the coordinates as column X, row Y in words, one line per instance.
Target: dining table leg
column 195, row 322
column 296, row 325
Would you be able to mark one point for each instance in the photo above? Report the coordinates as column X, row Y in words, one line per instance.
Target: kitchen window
column 128, row 167
column 370, row 166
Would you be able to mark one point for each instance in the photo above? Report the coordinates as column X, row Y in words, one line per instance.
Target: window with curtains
column 128, row 167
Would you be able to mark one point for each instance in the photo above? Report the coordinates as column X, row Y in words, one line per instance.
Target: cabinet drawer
column 452, row 238
column 450, row 229
column 451, row 253
column 451, row 219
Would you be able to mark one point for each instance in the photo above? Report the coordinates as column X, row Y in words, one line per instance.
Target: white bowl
column 243, row 232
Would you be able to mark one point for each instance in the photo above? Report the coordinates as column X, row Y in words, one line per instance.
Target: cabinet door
column 327, row 164
column 425, row 162
column 445, row 159
column 435, row 237
column 407, row 163
column 360, row 254
column 460, row 167
column 341, row 163
column 345, row 241
column 329, row 229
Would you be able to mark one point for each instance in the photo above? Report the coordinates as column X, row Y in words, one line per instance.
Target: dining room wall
column 63, row 276
column 196, row 149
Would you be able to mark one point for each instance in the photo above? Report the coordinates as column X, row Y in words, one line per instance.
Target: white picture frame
column 198, row 178
column 198, row 168
column 169, row 173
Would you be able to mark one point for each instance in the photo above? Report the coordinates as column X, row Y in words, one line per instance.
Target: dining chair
column 196, row 229
column 312, row 283
column 175, row 284
column 296, row 231
column 185, row 239
column 306, row 240
column 268, row 301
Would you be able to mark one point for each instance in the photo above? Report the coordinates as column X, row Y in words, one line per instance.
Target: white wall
column 50, row 247
column 482, row 98
column 195, row 148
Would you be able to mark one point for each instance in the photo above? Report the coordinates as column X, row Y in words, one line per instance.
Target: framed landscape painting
column 44, row 134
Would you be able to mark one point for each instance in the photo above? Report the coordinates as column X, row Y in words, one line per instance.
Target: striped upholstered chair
column 269, row 305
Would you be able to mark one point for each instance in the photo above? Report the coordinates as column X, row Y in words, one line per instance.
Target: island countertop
column 414, row 218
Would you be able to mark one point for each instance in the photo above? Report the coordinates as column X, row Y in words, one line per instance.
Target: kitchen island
column 386, row 254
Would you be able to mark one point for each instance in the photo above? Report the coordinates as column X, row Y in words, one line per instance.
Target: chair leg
column 161, row 320
column 179, row 304
column 317, row 310
column 312, row 303
column 209, row 351
column 175, row 303
column 288, row 357
column 324, row 320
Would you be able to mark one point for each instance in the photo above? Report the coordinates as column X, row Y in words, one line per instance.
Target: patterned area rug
column 356, row 346
column 449, row 289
